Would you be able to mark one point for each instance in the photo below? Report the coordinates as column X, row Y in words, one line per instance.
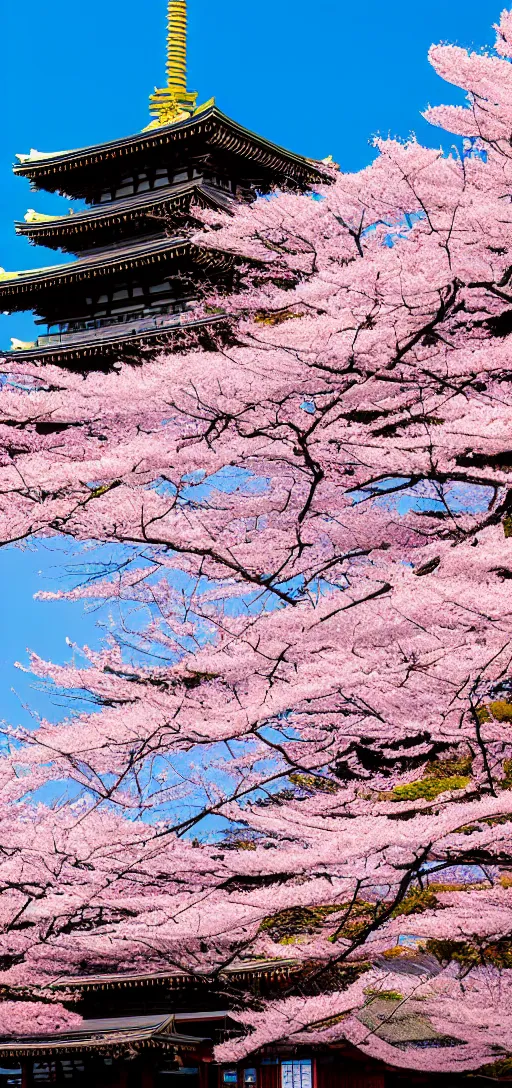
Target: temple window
column 296, row 1073
column 127, row 309
column 158, row 288
column 125, row 190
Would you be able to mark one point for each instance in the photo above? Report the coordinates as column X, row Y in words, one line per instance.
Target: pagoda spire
column 177, row 45
column 173, row 102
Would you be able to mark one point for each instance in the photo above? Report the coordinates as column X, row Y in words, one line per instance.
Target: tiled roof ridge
column 207, row 121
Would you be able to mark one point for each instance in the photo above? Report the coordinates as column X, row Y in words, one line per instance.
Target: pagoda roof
column 64, row 231
column 98, row 352
column 23, row 290
column 106, row 1036
column 54, row 171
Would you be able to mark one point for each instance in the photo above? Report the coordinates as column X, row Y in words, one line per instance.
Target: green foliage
column 438, row 777
column 385, row 995
column 472, row 953
column 103, row 489
column 429, row 788
column 358, row 916
column 398, row 952
column 313, row 782
column 500, row 710
column 287, row 925
column 463, row 952
column 240, row 838
column 488, row 821
column 445, row 768
column 499, row 1070
column 417, row 901
column 266, row 317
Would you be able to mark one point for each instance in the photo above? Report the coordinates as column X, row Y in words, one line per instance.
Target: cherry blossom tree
column 296, row 740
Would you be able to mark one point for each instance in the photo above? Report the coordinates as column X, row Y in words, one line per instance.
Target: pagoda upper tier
column 207, row 139
column 130, row 217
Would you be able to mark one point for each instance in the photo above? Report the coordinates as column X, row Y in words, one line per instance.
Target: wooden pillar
column 26, row 1074
column 203, row 1074
column 147, row 1079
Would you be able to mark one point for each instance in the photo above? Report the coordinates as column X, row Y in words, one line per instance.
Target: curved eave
column 64, row 229
column 108, row 1043
column 218, row 130
column 83, row 355
column 254, row 969
column 17, row 293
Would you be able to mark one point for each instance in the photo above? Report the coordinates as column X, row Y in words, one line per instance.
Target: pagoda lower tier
column 101, row 347
column 111, row 299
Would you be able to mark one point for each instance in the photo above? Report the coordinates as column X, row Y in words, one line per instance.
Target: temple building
column 160, row 1031
column 136, row 274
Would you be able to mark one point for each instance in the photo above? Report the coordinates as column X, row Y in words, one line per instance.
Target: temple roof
column 59, row 171
column 178, row 979
column 77, row 230
column 106, row 1036
column 24, row 290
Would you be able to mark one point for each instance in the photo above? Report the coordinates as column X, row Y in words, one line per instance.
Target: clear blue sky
column 41, row 626
column 317, row 77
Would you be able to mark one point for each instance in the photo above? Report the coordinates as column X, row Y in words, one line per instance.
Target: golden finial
column 174, row 103
column 177, row 45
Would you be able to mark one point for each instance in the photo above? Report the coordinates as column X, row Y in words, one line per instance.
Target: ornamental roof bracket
column 35, row 156
column 32, row 216
column 174, row 103
column 22, row 345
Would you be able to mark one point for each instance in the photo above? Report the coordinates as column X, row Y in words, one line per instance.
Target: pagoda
column 136, row 273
